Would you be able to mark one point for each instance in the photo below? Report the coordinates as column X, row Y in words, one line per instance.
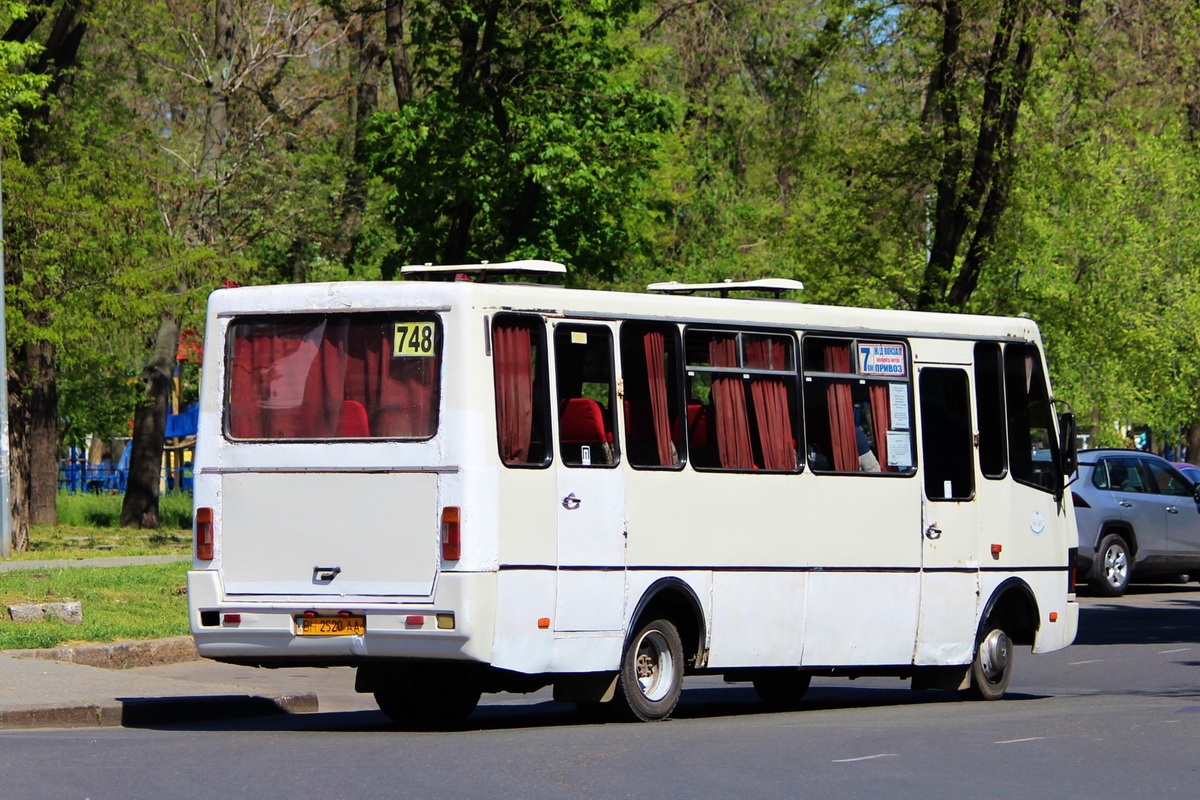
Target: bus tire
column 992, row 666
column 1110, row 569
column 651, row 677
column 429, row 704
column 782, row 689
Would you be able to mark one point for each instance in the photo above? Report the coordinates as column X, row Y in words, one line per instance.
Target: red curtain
column 881, row 420
column 772, row 411
column 513, row 362
column 729, row 403
column 320, row 415
column 400, row 393
column 656, row 378
column 286, row 382
column 251, row 359
column 841, row 410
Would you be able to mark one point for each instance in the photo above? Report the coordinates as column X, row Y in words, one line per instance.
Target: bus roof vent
column 775, row 286
column 483, row 270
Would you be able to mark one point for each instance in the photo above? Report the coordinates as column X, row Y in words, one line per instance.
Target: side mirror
column 1196, row 492
column 1069, row 453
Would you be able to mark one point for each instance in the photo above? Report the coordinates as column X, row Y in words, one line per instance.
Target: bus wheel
column 651, row 675
column 992, row 667
column 1110, row 570
column 782, row 688
column 429, row 703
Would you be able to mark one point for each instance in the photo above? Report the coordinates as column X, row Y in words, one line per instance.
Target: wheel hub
column 1116, row 565
column 645, row 667
column 653, row 666
column 994, row 655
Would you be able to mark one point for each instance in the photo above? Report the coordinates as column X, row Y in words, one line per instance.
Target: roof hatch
column 482, row 270
column 775, row 286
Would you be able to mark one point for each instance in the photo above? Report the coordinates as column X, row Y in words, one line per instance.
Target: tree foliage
column 522, row 138
column 999, row 156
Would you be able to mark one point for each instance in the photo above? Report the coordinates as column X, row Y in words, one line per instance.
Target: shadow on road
column 696, row 704
column 1172, row 617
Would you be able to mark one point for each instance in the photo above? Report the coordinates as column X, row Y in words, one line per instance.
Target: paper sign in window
column 898, row 402
column 899, row 449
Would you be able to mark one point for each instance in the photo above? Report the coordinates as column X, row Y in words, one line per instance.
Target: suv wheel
column 1110, row 570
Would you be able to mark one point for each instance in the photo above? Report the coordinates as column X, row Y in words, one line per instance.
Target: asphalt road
column 1115, row 716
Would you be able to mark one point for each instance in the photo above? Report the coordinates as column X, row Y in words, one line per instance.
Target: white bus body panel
column 287, row 534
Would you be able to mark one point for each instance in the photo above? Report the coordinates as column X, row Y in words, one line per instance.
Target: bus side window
column 741, row 400
column 1032, row 445
column 583, row 365
column 856, row 397
column 946, row 435
column 651, row 376
column 989, row 409
column 522, row 396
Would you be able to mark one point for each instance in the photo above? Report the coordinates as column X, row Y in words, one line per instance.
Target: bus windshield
column 333, row 376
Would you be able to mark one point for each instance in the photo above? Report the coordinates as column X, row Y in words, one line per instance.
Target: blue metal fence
column 108, row 478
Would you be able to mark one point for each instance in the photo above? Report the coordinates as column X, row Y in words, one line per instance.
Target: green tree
column 84, row 231
column 250, row 111
column 522, row 138
column 1104, row 240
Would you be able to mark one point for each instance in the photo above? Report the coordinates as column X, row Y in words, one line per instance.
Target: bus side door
column 591, row 490
column 950, row 519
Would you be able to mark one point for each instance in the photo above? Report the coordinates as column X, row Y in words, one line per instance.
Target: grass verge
column 119, row 603
column 52, row 542
column 88, row 528
column 104, row 510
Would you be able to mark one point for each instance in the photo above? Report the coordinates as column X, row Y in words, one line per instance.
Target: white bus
column 460, row 486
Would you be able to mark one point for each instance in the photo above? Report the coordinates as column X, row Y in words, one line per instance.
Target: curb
column 49, row 715
column 135, row 712
column 122, row 655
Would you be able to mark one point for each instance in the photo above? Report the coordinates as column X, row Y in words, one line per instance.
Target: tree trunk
column 1193, row 440
column 970, row 204
column 397, row 54
column 140, row 507
column 218, row 107
column 42, row 417
column 366, row 60
column 33, row 439
column 18, row 453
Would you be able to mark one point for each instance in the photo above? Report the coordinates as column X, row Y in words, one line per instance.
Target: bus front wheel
column 651, row 676
column 991, row 669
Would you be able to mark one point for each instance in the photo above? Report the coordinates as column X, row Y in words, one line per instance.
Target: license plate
column 331, row 626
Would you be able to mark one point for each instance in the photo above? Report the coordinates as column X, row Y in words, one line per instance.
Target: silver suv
column 1137, row 515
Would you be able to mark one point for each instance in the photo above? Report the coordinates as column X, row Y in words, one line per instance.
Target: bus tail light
column 451, row 533
column 1072, row 558
column 204, row 534
column 1079, row 501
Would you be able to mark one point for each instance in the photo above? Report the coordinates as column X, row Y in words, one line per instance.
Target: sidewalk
column 40, row 692
column 137, row 683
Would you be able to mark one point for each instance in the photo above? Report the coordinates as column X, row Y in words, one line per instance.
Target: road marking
column 1176, row 650
column 1017, row 741
column 1093, row 661
column 864, row 758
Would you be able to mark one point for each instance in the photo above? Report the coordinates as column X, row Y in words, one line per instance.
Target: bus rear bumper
column 266, row 631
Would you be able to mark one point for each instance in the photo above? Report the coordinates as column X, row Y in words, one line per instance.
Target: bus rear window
column 334, row 376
